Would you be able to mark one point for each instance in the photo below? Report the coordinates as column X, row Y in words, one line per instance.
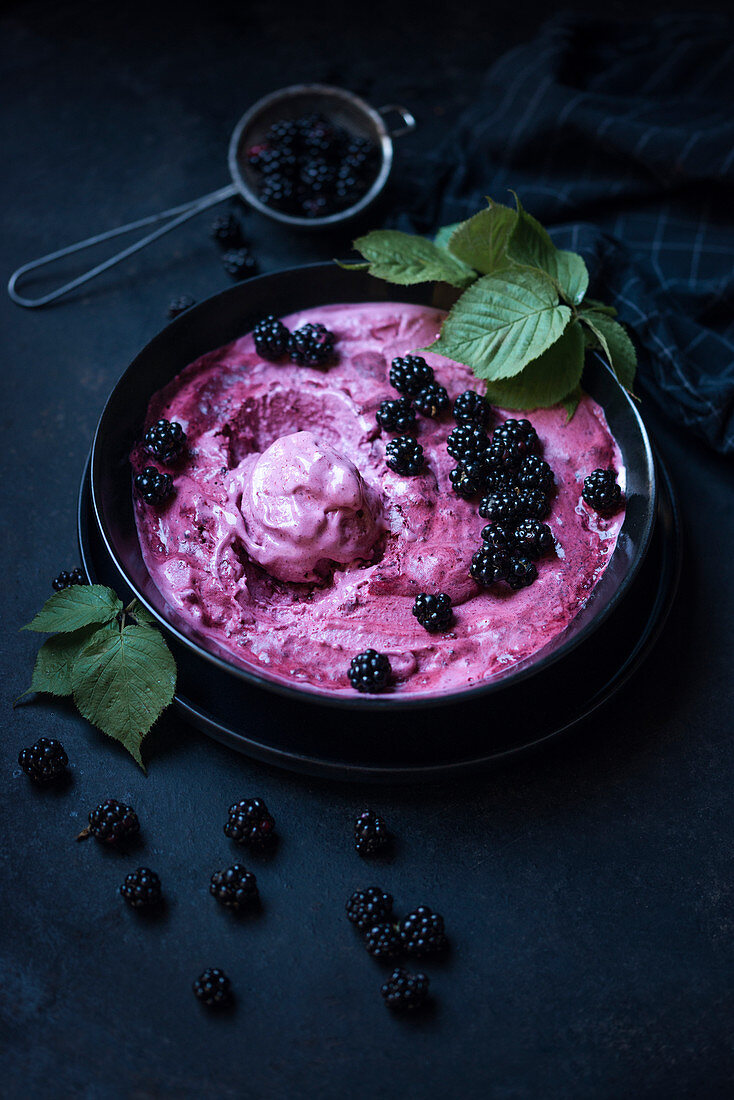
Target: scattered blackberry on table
column 44, row 761
column 239, row 263
column 165, row 440
column 404, row 991
column 535, row 473
column 271, row 338
column 250, row 822
column 409, row 374
column 142, row 888
column 521, row 573
column 152, row 486
column 467, row 480
column 382, row 941
column 213, row 988
column 111, row 822
column 431, row 400
column 467, row 442
column 471, row 408
column 488, row 566
column 179, row 305
column 498, row 536
column 227, row 231
column 396, row 416
column 369, row 671
column 236, row 887
column 68, row 580
column 532, row 539
column 433, row 612
column 370, row 833
column 311, row 345
column 405, row 455
column 500, row 507
column 422, row 933
column 601, row 491
column 366, row 908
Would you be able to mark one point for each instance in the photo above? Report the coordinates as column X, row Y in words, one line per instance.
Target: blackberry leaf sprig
column 522, row 322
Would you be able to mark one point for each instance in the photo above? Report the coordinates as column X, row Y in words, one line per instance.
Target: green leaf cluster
column 523, row 322
column 111, row 659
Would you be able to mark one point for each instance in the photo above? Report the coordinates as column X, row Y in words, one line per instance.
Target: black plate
column 222, row 319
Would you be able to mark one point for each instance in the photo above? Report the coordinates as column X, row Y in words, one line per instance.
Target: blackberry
column 382, row 941
column 434, row 613
column 519, row 437
column 111, row 822
column 68, row 580
column 502, row 507
column 404, row 991
column 432, row 400
column 368, row 907
column 422, row 933
column 142, row 888
column 521, row 573
column 312, row 345
column 179, row 305
column 227, row 231
column 466, row 480
column 271, row 338
column 250, row 822
column 409, row 374
column 165, row 440
column 276, row 190
column 467, row 442
column 44, row 761
column 213, row 988
column 404, row 455
column 283, row 132
column 236, row 888
column 152, row 486
column 532, row 539
column 239, row 263
column 370, row 833
column 532, row 504
column 396, row 416
column 535, row 473
column 499, row 536
column 472, row 408
column 601, row 491
column 498, row 478
column 369, row 671
column 488, row 566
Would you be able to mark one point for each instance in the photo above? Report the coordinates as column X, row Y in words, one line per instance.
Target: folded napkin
column 619, row 137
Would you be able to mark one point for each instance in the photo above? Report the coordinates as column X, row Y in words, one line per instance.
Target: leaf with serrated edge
column 140, row 613
column 72, row 608
column 122, row 681
column 405, row 259
column 530, row 244
column 443, row 236
column 546, row 380
column 571, row 275
column 616, row 345
column 502, row 322
column 52, row 673
column 481, row 241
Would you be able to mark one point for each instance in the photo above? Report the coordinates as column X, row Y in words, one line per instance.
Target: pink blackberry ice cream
column 289, row 546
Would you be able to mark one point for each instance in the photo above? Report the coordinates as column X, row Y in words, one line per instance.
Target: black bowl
column 228, row 315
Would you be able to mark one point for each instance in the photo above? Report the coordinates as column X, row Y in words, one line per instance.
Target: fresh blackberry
column 466, row 480
column 312, row 345
column 236, row 888
column 488, row 566
column 472, row 408
column 499, row 479
column 519, row 437
column 370, row 833
column 213, row 988
column 601, row 491
column 142, row 888
column 239, row 263
column 409, row 374
column 404, row 991
column 250, row 822
column 165, row 440
column 396, row 416
column 227, row 231
column 532, row 539
column 404, row 455
column 44, row 761
column 368, row 907
column 500, row 507
column 431, row 400
column 276, row 190
column 317, row 175
column 467, row 442
column 434, row 613
column 499, row 536
column 535, row 473
column 369, row 671
column 382, row 941
column 152, row 486
column 422, row 933
column 521, row 573
column 111, row 822
column 271, row 338
column 532, row 504
column 68, row 580
column 283, row 132
column 179, row 305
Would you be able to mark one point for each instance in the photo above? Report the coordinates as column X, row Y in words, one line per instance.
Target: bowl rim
column 303, row 692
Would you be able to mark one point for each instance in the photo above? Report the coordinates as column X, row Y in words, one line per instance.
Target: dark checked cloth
column 620, row 139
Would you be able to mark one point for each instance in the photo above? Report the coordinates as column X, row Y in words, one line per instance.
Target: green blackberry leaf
column 546, row 380
column 531, row 245
column 52, row 673
column 443, row 236
column 615, row 344
column 406, row 259
column 571, row 402
column 481, row 241
column 75, row 607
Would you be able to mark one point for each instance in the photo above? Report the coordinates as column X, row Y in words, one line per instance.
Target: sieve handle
column 407, row 119
column 177, row 215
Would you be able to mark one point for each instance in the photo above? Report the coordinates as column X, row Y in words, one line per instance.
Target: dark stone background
column 587, row 890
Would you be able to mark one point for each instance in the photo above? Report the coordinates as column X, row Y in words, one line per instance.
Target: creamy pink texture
column 291, row 545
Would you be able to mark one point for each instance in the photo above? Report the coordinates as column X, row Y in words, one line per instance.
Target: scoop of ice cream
column 305, row 507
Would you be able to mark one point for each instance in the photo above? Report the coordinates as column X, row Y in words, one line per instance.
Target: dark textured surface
column 587, row 891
